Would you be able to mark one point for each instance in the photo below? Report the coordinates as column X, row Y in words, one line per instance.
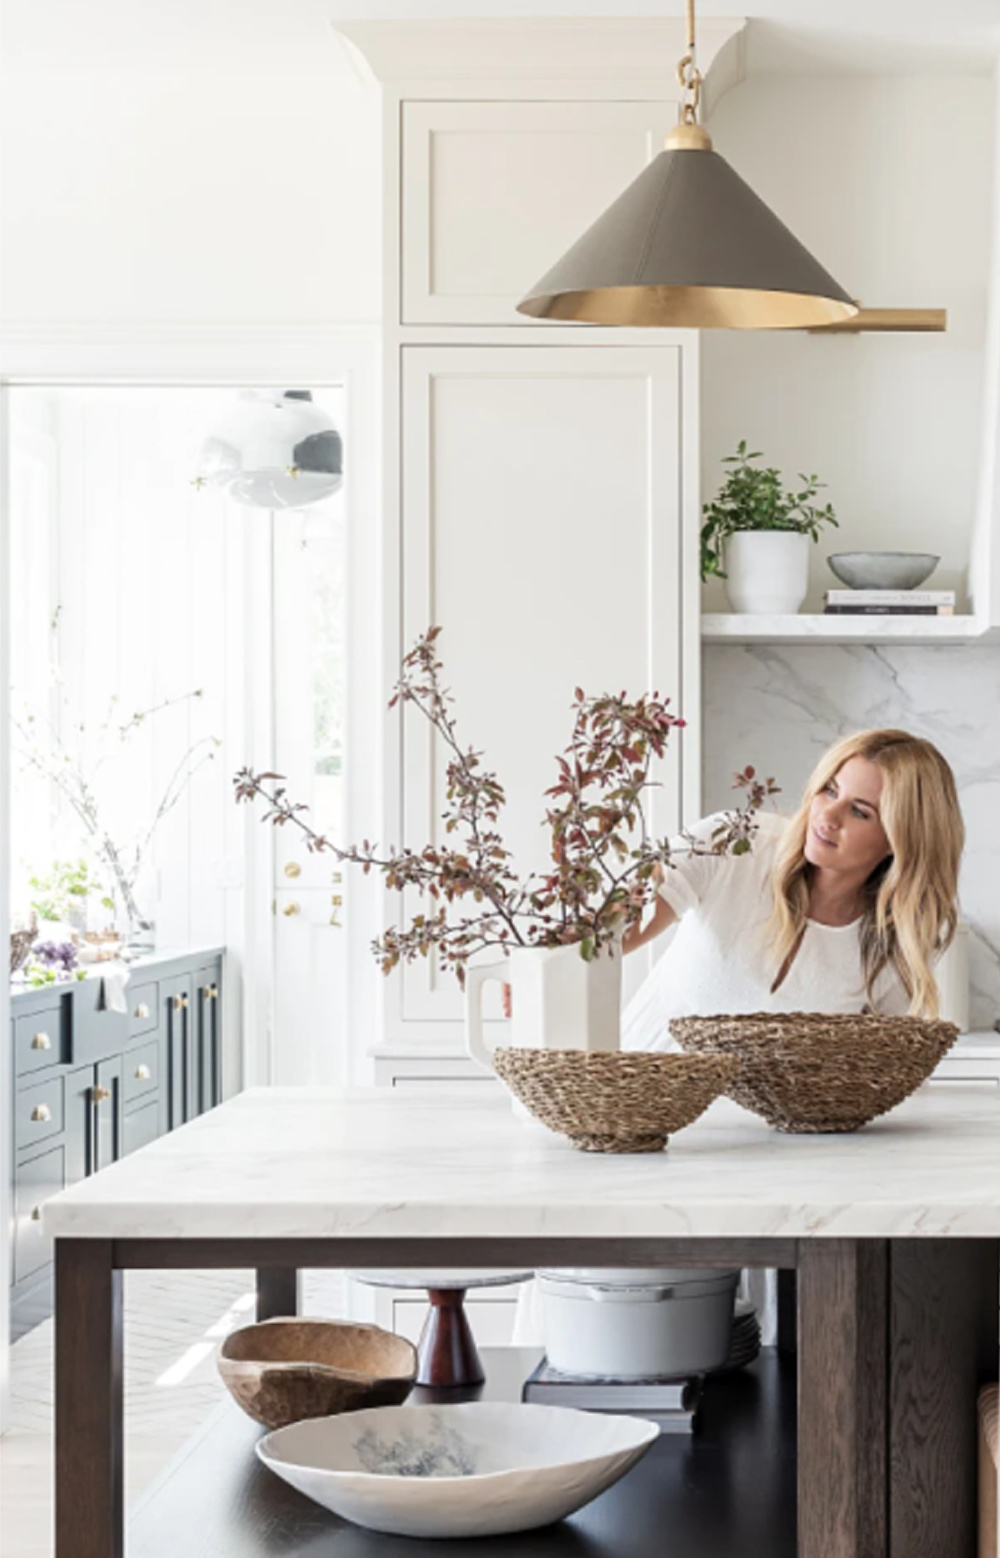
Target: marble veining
column 297, row 1162
column 780, row 707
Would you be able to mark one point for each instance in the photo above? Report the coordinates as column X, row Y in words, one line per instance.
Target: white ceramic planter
column 767, row 571
column 558, row 1000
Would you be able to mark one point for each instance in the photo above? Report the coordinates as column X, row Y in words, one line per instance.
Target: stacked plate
column 745, row 1343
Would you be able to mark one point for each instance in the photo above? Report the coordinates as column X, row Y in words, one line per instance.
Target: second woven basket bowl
column 811, row 1072
column 617, row 1102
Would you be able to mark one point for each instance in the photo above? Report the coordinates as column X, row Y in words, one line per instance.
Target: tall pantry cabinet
column 541, row 481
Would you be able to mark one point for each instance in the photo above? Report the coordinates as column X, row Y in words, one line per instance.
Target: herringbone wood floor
column 173, row 1322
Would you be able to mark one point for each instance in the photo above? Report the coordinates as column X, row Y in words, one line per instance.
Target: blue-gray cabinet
column 92, row 1085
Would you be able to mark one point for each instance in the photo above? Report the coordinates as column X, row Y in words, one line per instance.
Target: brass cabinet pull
column 142, row 1010
column 212, row 991
column 36, row 1214
column 180, row 1003
column 41, row 1041
column 336, row 877
column 291, row 908
column 142, row 1073
column 41, row 1113
column 293, row 869
column 337, row 900
column 99, row 1094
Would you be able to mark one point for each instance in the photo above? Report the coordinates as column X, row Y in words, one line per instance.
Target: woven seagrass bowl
column 618, row 1102
column 808, row 1071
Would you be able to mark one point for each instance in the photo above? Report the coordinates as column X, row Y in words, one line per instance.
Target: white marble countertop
column 297, row 1162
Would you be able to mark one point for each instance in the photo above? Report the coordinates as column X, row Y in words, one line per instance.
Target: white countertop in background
column 297, row 1162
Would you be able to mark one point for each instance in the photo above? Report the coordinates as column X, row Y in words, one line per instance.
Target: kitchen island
column 893, row 1234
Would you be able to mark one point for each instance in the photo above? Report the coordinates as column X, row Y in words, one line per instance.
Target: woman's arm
column 638, row 936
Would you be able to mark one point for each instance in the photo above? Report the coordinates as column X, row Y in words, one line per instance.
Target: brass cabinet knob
column 142, row 1073
column 41, row 1113
column 180, row 1003
column 290, row 909
column 293, row 869
column 41, row 1041
column 99, row 1094
column 142, row 1010
column 36, row 1214
column 336, row 877
column 213, row 992
column 337, row 900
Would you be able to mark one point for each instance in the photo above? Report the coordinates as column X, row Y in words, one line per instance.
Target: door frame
column 241, row 355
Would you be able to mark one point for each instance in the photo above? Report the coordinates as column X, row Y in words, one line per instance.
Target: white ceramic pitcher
column 558, row 1000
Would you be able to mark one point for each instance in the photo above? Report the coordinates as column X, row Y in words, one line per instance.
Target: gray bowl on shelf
column 883, row 570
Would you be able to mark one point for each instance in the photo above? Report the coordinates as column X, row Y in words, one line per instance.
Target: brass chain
column 688, row 73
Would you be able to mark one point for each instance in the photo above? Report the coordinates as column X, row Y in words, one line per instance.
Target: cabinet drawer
column 36, row 1181
column 39, row 1112
column 141, row 1071
column 140, row 1127
column 40, row 1039
column 143, row 1009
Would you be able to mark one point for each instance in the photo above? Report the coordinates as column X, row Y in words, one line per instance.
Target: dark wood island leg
column 277, row 1292
column 843, row 1303
column 89, row 1519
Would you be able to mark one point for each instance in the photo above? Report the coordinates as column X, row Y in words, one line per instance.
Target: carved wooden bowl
column 282, row 1371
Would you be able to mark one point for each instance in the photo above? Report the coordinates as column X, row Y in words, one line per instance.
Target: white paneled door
column 309, row 1039
column 541, row 506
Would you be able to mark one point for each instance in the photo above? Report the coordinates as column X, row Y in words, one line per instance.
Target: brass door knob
column 41, row 1113
column 41, row 1041
column 99, row 1094
column 290, row 909
column 293, row 869
column 142, row 1073
column 142, row 1010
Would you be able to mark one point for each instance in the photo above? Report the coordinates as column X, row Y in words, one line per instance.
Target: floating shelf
column 887, row 320
column 731, row 627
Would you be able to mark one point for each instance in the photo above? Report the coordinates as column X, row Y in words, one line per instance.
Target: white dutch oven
column 639, row 1323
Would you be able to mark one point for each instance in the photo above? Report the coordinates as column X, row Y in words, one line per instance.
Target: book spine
column 887, row 611
column 890, row 597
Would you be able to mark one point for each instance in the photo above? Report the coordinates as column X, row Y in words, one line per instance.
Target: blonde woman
column 843, row 907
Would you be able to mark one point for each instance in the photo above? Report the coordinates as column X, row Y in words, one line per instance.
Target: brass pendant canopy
column 689, row 245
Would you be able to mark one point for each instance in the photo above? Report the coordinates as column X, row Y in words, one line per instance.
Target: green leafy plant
column 64, row 887
column 752, row 497
column 603, row 860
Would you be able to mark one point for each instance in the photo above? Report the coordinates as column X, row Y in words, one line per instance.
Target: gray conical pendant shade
column 689, row 244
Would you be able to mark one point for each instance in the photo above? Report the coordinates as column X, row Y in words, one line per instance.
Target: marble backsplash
column 779, row 708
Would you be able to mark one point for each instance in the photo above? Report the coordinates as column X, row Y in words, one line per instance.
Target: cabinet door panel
column 182, row 1072
column 494, row 193
column 108, row 1111
column 541, row 529
column 140, row 1127
column 36, row 1181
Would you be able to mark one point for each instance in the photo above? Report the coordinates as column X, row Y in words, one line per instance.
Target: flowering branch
column 602, row 859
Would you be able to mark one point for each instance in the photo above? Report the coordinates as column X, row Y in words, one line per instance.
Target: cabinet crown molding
column 525, row 50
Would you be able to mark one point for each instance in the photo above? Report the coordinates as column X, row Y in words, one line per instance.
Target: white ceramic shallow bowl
column 476, row 1469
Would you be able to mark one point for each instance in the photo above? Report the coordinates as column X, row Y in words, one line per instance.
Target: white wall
column 887, row 179
column 198, row 160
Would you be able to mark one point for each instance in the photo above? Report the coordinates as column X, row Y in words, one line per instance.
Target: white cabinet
column 542, row 490
column 493, row 193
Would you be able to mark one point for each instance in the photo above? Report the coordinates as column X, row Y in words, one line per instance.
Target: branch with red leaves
column 602, row 858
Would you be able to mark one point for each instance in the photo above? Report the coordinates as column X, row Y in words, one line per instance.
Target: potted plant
column 755, row 535
column 563, row 927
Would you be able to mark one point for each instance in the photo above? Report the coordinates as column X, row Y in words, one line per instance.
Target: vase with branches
column 602, row 855
column 79, row 776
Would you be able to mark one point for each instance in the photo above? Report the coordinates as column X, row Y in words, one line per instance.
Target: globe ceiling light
column 689, row 244
column 275, row 450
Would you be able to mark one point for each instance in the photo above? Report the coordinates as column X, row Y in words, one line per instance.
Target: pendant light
column 274, row 450
column 689, row 244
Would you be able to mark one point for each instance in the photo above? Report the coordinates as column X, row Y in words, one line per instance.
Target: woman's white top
column 717, row 959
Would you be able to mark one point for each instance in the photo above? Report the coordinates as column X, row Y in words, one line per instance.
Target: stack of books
column 672, row 1404
column 889, row 603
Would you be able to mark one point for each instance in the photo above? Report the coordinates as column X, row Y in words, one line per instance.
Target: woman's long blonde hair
column 911, row 908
